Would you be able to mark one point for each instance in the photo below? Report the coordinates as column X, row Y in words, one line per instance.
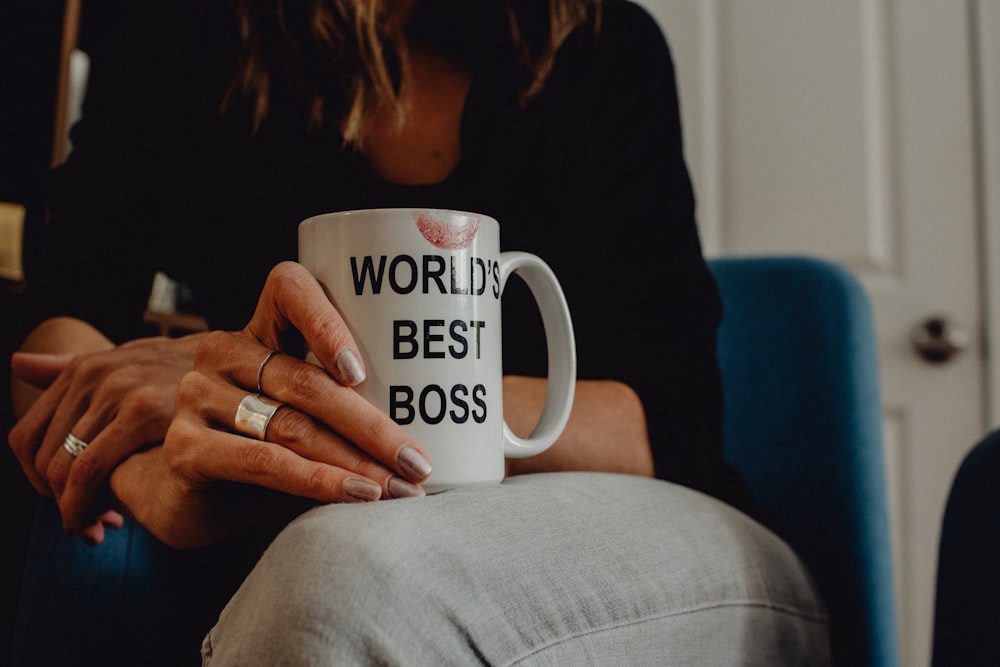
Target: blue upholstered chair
column 798, row 358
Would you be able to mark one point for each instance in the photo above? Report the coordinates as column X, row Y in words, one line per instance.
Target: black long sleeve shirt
column 590, row 175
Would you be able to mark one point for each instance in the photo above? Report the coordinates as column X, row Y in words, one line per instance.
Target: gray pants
column 555, row 569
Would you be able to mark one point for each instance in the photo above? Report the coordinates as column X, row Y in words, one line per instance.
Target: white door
column 847, row 130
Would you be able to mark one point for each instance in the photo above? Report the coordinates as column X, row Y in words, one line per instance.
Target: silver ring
column 254, row 415
column 74, row 445
column 260, row 370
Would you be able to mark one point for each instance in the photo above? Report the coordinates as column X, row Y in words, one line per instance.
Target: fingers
column 85, row 422
column 112, row 519
column 329, row 407
column 38, row 436
column 202, row 452
column 301, row 455
column 28, row 437
column 79, row 481
column 117, row 401
column 95, row 532
column 310, row 390
column 181, row 509
column 265, row 464
column 114, row 424
column 292, row 299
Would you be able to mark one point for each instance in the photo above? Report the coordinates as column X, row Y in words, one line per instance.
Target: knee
column 335, row 587
column 539, row 566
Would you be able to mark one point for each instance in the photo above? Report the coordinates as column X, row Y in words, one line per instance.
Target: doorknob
column 938, row 339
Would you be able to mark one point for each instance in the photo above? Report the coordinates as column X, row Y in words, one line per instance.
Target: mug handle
column 561, row 346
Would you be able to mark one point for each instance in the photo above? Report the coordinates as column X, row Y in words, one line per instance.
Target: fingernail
column 363, row 489
column 413, row 464
column 349, row 369
column 400, row 488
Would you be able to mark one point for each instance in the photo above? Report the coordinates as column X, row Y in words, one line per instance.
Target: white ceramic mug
column 420, row 290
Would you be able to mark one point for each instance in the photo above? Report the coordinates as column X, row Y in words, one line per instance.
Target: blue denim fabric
column 129, row 601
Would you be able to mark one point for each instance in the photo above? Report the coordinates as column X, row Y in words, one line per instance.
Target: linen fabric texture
column 553, row 569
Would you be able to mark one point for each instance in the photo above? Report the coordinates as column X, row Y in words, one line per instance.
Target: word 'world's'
column 429, row 273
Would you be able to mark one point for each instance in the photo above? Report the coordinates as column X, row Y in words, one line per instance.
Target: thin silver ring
column 254, row 414
column 74, row 445
column 260, row 370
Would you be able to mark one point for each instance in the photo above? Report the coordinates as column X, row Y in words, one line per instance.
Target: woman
column 559, row 120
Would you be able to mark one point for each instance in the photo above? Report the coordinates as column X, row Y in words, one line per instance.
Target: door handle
column 937, row 339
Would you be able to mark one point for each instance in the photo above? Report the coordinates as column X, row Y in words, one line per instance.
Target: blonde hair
column 343, row 58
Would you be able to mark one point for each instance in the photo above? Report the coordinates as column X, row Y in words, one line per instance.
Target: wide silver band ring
column 260, row 370
column 254, row 414
column 74, row 445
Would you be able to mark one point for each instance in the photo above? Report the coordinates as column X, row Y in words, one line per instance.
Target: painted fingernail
column 349, row 369
column 362, row 489
column 400, row 488
column 413, row 464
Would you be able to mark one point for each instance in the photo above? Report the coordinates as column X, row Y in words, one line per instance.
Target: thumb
column 37, row 368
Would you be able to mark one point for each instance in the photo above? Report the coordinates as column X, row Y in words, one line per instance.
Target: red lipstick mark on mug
column 446, row 229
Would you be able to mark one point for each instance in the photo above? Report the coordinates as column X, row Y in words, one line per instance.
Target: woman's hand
column 117, row 400
column 325, row 443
